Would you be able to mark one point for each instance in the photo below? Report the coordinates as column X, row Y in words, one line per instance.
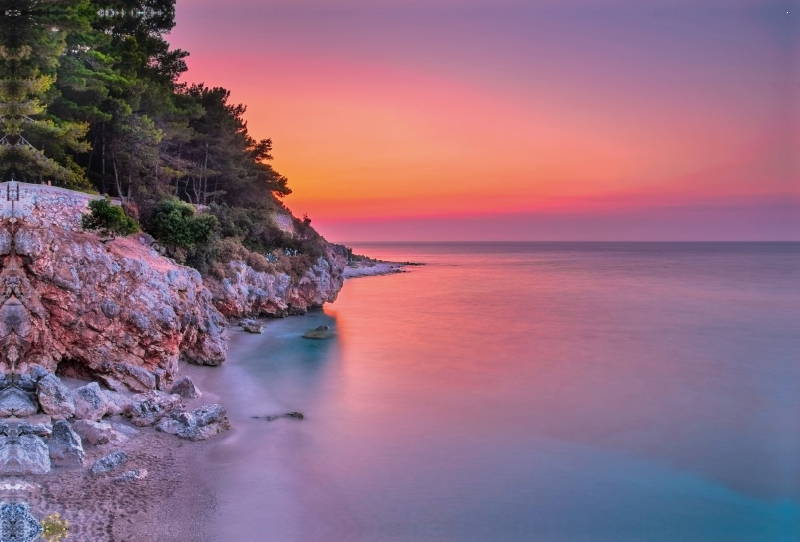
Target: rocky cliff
column 117, row 311
column 247, row 292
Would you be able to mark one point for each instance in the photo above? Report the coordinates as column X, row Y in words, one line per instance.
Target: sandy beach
column 162, row 506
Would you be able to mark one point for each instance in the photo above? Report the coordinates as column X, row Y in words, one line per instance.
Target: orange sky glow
column 586, row 116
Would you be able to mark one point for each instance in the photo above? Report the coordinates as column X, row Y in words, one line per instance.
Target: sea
column 543, row 392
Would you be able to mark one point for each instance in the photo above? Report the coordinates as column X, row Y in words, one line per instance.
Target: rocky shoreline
column 373, row 268
column 95, row 420
column 93, row 412
column 46, row 424
column 118, row 312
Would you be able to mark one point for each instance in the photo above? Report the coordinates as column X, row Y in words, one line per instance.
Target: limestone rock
column 24, row 454
column 90, row 402
column 132, row 475
column 199, row 424
column 186, row 388
column 69, row 293
column 320, row 332
column 247, row 292
column 135, row 378
column 98, row 432
column 117, row 403
column 124, row 430
column 28, row 380
column 66, row 448
column 252, row 326
column 54, row 397
column 16, row 402
column 110, row 462
column 29, row 426
column 148, row 409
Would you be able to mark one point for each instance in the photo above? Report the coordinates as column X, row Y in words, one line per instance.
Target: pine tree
column 35, row 145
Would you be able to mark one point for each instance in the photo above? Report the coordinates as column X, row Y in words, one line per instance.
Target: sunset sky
column 518, row 120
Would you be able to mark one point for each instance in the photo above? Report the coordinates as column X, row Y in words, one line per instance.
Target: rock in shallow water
column 199, row 424
column 321, row 332
column 252, row 326
column 66, row 448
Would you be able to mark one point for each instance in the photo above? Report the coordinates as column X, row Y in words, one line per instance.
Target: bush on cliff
column 177, row 226
column 108, row 219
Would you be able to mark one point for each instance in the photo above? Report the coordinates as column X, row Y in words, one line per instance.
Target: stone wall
column 41, row 205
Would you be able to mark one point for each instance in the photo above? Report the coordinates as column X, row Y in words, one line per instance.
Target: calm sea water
column 524, row 392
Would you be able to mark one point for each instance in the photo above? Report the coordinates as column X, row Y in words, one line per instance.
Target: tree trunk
column 116, row 176
column 103, row 163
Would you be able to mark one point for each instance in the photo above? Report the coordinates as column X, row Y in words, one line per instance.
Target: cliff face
column 247, row 292
column 117, row 311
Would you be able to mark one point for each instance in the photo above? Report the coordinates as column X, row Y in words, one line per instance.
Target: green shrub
column 108, row 219
column 177, row 226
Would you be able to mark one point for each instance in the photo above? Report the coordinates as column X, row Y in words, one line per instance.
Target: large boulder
column 117, row 403
column 135, row 378
column 90, row 402
column 252, row 326
column 98, row 432
column 28, row 379
column 23, row 454
column 199, row 424
column 16, row 402
column 110, row 462
column 148, row 409
column 36, row 425
column 54, row 397
column 66, row 448
column 186, row 388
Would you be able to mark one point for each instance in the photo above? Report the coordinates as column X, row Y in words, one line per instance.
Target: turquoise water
column 525, row 392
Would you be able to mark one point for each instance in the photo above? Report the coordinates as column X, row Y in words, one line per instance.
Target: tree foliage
column 91, row 97
column 108, row 219
column 176, row 225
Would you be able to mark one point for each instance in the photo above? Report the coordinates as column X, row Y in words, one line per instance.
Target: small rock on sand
column 110, row 462
column 132, row 475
